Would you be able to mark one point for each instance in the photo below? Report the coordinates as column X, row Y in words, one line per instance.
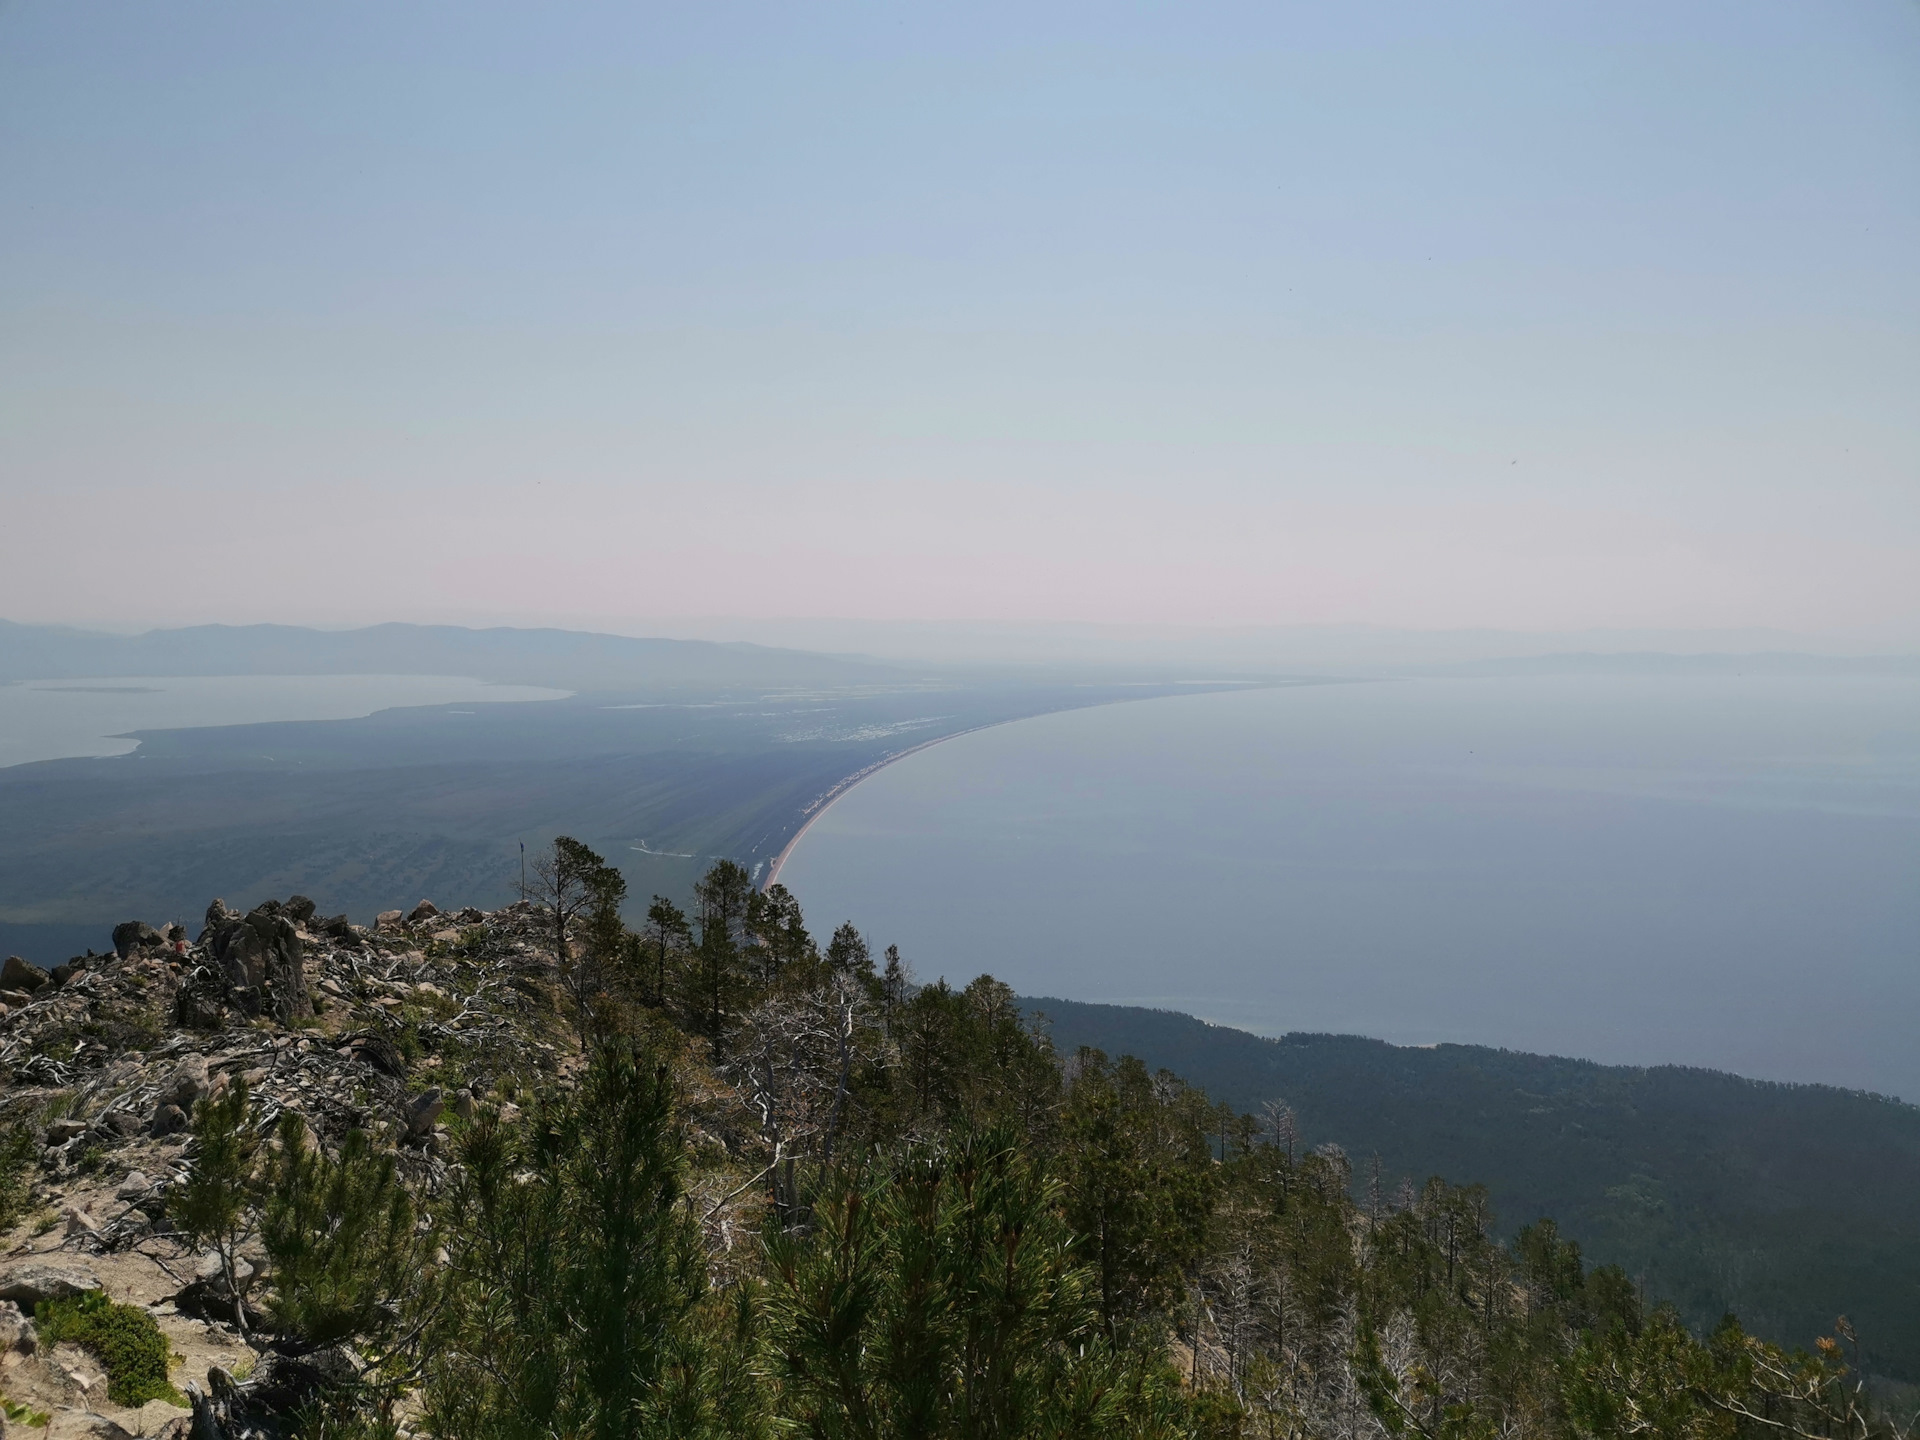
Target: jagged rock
column 299, row 909
column 16, row 1330
column 261, row 958
column 168, row 1120
column 219, row 913
column 423, row 1110
column 387, row 920
column 19, row 975
column 61, row 974
column 65, row 1129
column 131, row 935
column 31, row 1281
column 201, row 1003
column 425, row 910
column 134, row 1186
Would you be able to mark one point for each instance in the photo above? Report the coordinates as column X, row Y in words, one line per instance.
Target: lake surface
column 60, row 719
column 1713, row 871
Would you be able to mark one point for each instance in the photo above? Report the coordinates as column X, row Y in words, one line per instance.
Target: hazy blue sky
column 1522, row 314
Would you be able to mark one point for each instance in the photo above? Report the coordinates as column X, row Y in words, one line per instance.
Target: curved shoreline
column 827, row 801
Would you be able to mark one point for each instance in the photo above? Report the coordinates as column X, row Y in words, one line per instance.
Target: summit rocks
column 259, row 955
column 105, row 1062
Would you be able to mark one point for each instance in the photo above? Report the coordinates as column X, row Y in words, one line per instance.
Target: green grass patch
column 123, row 1338
column 18, row 1414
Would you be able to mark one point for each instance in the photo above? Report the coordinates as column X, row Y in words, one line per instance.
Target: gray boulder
column 19, row 975
column 423, row 1110
column 29, row 1282
column 16, row 1330
column 425, row 910
column 187, row 1083
column 84, row 1425
column 131, row 935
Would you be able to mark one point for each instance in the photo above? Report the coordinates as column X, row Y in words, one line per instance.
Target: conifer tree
column 580, row 1303
column 667, row 927
column 215, row 1205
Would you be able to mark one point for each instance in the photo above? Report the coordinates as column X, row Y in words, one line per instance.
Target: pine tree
column 214, row 1206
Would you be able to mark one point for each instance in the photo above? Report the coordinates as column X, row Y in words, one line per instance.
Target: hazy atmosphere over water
column 1711, row 871
column 1474, row 314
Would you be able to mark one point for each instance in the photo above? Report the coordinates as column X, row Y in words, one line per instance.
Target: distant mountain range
column 597, row 662
column 566, row 659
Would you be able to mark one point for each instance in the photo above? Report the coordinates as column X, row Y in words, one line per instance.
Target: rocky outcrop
column 106, row 1061
column 29, row 1282
column 257, row 964
column 134, row 935
column 19, row 975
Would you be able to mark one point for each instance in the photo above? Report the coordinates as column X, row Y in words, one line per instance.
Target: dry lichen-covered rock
column 29, row 1282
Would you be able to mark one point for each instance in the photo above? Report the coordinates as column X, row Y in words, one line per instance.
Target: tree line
column 794, row 1192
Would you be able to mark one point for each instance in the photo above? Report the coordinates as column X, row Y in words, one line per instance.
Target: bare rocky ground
column 394, row 1030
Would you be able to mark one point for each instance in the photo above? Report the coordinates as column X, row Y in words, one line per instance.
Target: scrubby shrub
column 123, row 1338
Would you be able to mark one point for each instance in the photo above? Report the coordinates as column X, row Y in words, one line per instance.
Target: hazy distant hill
column 1652, row 662
column 569, row 659
column 1789, row 1204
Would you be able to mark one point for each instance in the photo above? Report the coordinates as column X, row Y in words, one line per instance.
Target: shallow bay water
column 1719, row 871
column 62, row 719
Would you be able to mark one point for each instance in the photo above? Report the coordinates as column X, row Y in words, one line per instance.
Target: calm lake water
column 1711, row 871
column 57, row 719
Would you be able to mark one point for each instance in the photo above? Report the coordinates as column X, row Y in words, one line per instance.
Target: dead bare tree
column 795, row 1058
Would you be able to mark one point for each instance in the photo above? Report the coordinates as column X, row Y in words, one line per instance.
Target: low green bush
column 123, row 1338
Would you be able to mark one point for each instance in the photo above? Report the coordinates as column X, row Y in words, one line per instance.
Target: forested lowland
column 543, row 1172
column 1788, row 1204
column 670, row 755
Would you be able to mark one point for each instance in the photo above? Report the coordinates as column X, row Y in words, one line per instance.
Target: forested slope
column 533, row 1172
column 1787, row 1204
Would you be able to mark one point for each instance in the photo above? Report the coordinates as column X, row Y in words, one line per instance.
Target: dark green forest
column 1787, row 1204
column 778, row 1188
